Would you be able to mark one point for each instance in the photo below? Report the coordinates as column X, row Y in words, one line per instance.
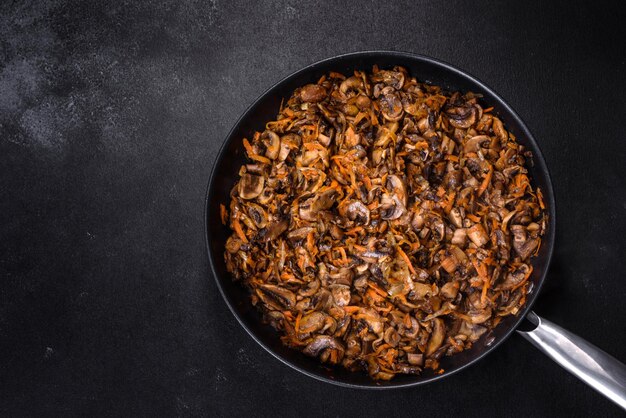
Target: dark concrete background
column 111, row 115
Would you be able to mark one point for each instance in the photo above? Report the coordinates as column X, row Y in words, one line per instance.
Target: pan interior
column 265, row 108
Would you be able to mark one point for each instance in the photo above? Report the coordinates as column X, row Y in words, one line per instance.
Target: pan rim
column 538, row 159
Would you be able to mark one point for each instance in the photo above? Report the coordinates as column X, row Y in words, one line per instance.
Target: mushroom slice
column 475, row 143
column 350, row 83
column 391, row 336
column 356, row 211
column 479, row 316
column 523, row 246
column 272, row 144
column 276, row 296
column 341, row 294
column 461, row 117
column 394, row 79
column 312, row 93
column 273, row 231
column 478, row 235
column 390, row 105
column 515, row 277
column 449, row 290
column 250, row 186
column 391, row 207
column 324, row 342
column 288, row 143
column 472, row 331
column 373, row 320
column 258, row 215
column 415, row 359
column 300, row 233
column 321, row 201
column 437, row 336
column 396, row 186
column 311, row 322
column 455, row 217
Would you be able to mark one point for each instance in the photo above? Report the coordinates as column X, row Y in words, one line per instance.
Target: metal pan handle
column 593, row 366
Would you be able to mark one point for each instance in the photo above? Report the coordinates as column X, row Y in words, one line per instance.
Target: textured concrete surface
column 111, row 115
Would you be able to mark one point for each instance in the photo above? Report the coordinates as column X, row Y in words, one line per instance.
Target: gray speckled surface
column 111, row 115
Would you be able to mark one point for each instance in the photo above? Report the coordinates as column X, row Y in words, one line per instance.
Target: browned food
column 381, row 223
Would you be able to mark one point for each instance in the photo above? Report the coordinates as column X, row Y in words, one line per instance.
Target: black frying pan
column 428, row 70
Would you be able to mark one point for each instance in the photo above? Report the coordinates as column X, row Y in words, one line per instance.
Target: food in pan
column 381, row 223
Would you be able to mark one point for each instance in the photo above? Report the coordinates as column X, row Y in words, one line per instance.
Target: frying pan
column 597, row 368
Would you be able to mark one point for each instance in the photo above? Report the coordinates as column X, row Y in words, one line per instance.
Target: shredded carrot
column 297, row 325
column 486, row 181
column 472, row 217
column 381, row 348
column 540, row 198
column 351, row 309
column 239, row 231
column 223, row 214
column 372, row 294
column 406, row 259
column 354, row 231
column 248, row 147
column 260, row 159
column 480, row 269
column 377, row 289
column 483, row 294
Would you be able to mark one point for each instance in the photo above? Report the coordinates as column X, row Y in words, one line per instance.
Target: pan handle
column 593, row 366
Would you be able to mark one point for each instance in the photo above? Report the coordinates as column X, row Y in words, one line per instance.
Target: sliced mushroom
column 523, row 246
column 250, row 186
column 356, row 211
column 390, row 105
column 472, row 331
column 415, row 359
column 321, row 201
column 450, row 290
column 273, row 230
column 461, row 117
column 351, row 83
column 373, row 320
column 300, row 233
column 437, row 336
column 459, row 237
column 455, row 217
column 312, row 93
column 258, row 215
column 502, row 242
column 272, row 144
column 276, row 296
column 341, row 294
column 324, row 342
column 499, row 130
column 479, row 316
column 475, row 143
column 478, row 235
column 515, row 277
column 392, row 337
column 312, row 322
column 396, row 186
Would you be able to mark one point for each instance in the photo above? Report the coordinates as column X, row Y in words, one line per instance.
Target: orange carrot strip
column 223, row 213
column 483, row 294
column 472, row 217
column 406, row 259
column 486, row 181
column 239, row 231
